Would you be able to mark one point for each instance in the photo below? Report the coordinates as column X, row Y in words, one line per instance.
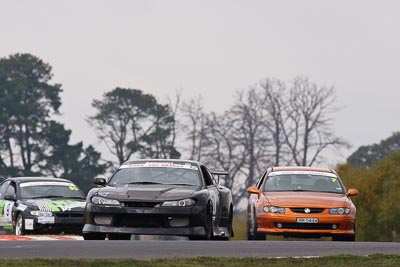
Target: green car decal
column 59, row 205
column 2, row 203
column 65, row 205
column 5, row 215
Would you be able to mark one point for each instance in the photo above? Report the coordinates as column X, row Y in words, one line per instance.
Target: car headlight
column 179, row 203
column 273, row 209
column 339, row 211
column 104, row 201
column 41, row 213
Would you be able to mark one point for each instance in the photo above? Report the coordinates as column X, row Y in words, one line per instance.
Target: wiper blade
column 49, row 196
column 144, row 182
column 299, row 190
column 182, row 184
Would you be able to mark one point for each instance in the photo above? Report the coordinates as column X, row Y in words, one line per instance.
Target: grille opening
column 140, row 204
column 306, row 226
column 302, row 210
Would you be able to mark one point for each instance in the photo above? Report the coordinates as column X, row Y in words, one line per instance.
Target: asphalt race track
column 140, row 249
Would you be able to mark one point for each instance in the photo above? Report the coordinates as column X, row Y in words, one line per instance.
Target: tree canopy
column 31, row 142
column 368, row 155
column 130, row 122
column 378, row 212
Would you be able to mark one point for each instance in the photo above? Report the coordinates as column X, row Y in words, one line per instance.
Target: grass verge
column 326, row 261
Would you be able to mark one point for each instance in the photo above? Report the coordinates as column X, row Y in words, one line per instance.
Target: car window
column 3, row 188
column 260, row 180
column 7, row 189
column 172, row 174
column 303, row 182
column 10, row 191
column 208, row 178
column 50, row 189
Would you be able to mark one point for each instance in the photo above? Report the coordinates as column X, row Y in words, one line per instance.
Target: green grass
column 240, row 225
column 327, row 261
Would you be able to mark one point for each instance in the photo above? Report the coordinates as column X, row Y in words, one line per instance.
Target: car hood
column 305, row 199
column 148, row 192
column 53, row 204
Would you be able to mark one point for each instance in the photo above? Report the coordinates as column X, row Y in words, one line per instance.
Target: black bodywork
column 141, row 207
column 55, row 214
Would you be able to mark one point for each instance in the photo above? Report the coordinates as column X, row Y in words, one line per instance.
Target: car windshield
column 50, row 190
column 156, row 173
column 303, row 181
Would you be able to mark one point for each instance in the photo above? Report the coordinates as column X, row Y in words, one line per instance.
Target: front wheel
column 94, row 236
column 252, row 233
column 349, row 238
column 229, row 234
column 208, row 228
column 119, row 236
column 19, row 228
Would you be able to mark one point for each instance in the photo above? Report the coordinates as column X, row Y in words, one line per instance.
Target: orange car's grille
column 309, row 210
column 306, row 226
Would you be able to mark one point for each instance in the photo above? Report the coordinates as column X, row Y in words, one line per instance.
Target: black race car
column 159, row 197
column 40, row 205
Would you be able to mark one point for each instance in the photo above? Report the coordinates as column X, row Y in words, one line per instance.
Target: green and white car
column 40, row 205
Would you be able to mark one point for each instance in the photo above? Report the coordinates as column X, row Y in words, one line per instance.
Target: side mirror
column 10, row 198
column 254, row 190
column 101, row 181
column 352, row 192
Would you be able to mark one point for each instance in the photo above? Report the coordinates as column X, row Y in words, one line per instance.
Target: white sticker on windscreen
column 303, row 173
column 160, row 165
column 44, row 183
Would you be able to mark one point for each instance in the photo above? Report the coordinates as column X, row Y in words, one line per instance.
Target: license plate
column 307, row 220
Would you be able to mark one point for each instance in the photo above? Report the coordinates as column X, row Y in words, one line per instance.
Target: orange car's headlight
column 339, row 211
column 273, row 209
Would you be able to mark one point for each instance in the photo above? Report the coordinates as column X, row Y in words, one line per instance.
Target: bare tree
column 307, row 130
column 224, row 151
column 267, row 125
column 249, row 132
column 272, row 92
column 194, row 126
column 175, row 105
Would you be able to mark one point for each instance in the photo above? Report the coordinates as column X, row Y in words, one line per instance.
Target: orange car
column 301, row 202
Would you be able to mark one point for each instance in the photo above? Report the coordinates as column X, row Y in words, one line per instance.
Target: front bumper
column 69, row 223
column 287, row 225
column 180, row 221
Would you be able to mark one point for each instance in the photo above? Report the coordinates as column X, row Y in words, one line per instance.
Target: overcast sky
column 214, row 48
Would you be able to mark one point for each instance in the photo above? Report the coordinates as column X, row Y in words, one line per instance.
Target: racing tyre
column 19, row 228
column 119, row 236
column 94, row 236
column 208, row 228
column 349, row 238
column 252, row 233
column 230, row 228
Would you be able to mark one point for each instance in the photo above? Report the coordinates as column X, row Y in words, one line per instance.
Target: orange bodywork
column 304, row 213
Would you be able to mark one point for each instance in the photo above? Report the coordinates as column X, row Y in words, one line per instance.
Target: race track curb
column 39, row 237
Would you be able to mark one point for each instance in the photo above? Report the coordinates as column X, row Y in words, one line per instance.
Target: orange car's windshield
column 303, row 182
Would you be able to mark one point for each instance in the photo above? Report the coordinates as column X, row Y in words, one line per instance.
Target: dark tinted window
column 303, row 182
column 154, row 173
column 50, row 189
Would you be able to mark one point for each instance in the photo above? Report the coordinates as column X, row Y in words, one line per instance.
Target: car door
column 7, row 201
column 212, row 187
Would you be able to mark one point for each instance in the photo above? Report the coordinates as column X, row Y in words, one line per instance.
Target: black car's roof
column 38, row 179
column 164, row 160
